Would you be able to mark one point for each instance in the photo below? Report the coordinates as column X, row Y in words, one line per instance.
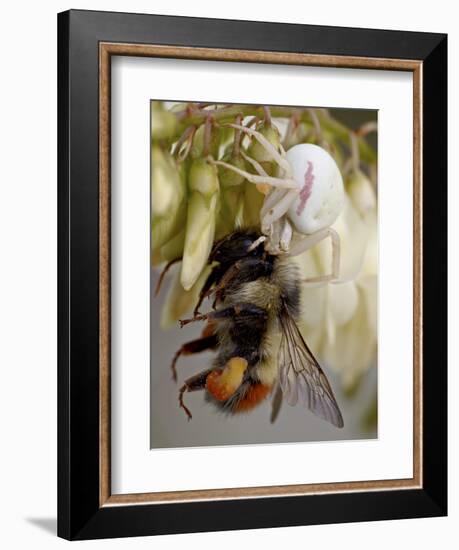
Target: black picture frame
column 80, row 515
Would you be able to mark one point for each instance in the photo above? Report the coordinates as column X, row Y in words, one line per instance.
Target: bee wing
column 301, row 377
column 276, row 403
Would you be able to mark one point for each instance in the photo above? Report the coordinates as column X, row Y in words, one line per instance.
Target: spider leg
column 276, row 156
column 254, row 178
column 258, row 167
column 282, row 151
column 277, row 210
column 311, row 240
column 271, row 200
column 285, row 235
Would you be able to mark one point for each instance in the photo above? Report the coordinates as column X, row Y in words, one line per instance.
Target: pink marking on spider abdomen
column 306, row 190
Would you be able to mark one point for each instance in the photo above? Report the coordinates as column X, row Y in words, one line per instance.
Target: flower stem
column 227, row 113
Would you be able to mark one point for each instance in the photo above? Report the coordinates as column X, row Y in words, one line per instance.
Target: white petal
column 314, row 336
column 313, row 305
column 369, row 285
column 312, row 297
column 370, row 263
column 343, row 302
column 354, row 350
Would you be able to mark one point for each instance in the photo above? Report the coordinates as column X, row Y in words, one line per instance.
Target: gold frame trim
column 106, row 50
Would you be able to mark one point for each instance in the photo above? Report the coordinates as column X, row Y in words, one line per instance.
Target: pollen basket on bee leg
column 222, row 383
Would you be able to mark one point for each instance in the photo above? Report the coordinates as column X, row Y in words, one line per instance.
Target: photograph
column 264, row 274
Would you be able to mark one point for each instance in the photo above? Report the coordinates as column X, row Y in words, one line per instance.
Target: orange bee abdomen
column 255, row 394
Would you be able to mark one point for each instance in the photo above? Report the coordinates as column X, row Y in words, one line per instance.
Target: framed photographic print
column 252, row 274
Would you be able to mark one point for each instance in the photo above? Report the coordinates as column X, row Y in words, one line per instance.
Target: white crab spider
column 306, row 199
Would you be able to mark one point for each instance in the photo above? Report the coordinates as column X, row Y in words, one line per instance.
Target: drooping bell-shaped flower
column 259, row 153
column 203, row 187
column 168, row 203
column 361, row 192
column 163, row 122
column 231, row 210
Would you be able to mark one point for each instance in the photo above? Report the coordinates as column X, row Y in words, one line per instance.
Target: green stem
column 224, row 114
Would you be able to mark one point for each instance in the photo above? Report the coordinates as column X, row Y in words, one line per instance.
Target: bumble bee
column 256, row 298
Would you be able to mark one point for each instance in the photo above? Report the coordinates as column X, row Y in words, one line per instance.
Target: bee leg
column 232, row 272
column 243, row 309
column 197, row 317
column 246, row 310
column 192, row 347
column 183, row 389
column 253, row 267
column 213, row 278
column 277, row 210
column 195, row 383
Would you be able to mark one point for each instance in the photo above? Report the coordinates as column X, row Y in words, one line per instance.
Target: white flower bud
column 197, row 149
column 163, row 122
column 257, row 151
column 167, row 198
column 200, row 226
column 253, row 202
column 203, row 178
column 227, row 177
column 163, row 181
column 174, row 248
column 361, row 192
column 300, row 134
column 200, row 231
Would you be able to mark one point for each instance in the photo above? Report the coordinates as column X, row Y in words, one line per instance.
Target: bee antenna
column 163, row 273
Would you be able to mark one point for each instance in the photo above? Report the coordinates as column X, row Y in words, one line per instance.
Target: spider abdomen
column 321, row 196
